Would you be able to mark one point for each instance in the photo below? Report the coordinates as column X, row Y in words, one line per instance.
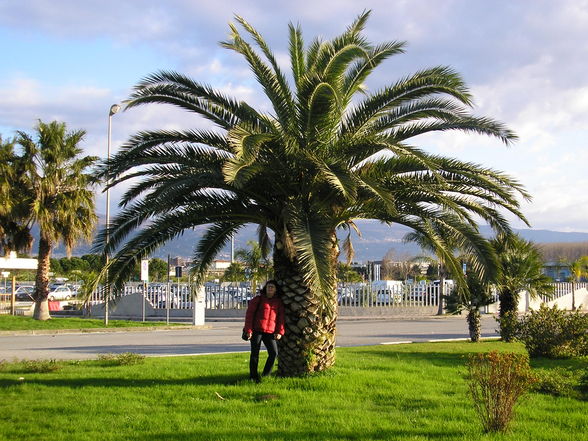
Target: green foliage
column 16, row 199
column 55, row 165
column 496, row 381
column 554, row 333
column 579, row 268
column 347, row 274
column 508, row 325
column 30, row 366
column 559, row 382
column 59, row 185
column 157, row 269
column 473, row 295
column 55, row 265
column 95, row 261
column 521, row 269
column 257, row 266
column 123, row 359
column 69, row 264
column 234, row 273
column 301, row 169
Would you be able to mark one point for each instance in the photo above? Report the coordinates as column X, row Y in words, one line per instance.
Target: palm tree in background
column 62, row 196
column 520, row 269
column 257, row 266
column 329, row 152
column 15, row 201
column 579, row 270
column 471, row 296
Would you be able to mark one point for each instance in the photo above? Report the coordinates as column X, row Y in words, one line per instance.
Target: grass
column 18, row 323
column 408, row 392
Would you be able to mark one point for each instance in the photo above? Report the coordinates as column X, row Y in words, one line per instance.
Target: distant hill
column 376, row 240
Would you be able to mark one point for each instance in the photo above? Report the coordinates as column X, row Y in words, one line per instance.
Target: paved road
column 225, row 337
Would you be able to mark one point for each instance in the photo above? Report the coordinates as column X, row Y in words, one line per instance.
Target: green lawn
column 408, row 392
column 16, row 323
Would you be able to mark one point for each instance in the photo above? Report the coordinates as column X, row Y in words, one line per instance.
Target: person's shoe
column 255, row 379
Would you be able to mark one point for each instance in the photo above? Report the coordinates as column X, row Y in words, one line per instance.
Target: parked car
column 388, row 296
column 24, row 293
column 61, row 292
column 346, row 295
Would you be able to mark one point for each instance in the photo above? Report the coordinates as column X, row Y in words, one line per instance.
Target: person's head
column 271, row 288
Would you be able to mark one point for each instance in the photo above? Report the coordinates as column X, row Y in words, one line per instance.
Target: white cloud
column 526, row 65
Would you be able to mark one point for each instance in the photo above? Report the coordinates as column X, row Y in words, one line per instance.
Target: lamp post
column 113, row 110
column 5, row 274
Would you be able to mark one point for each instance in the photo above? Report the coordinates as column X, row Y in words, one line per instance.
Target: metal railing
column 180, row 295
column 238, row 297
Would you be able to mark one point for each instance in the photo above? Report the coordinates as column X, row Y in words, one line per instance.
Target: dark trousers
column 272, row 352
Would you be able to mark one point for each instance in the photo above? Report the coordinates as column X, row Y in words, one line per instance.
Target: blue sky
column 525, row 62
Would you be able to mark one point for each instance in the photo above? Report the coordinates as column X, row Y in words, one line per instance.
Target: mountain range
column 375, row 241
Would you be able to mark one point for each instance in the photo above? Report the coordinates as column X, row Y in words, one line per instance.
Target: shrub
column 559, row 382
column 30, row 366
column 554, row 333
column 496, row 381
column 124, row 359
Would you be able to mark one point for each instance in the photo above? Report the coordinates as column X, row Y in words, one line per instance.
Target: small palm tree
column 63, row 200
column 471, row 296
column 328, row 152
column 257, row 266
column 521, row 269
column 234, row 273
column 579, row 270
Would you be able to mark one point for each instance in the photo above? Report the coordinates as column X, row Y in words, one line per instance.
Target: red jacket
column 269, row 316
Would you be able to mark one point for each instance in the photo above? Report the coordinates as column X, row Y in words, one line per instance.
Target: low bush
column 496, row 382
column 123, row 359
column 554, row 333
column 559, row 382
column 30, row 366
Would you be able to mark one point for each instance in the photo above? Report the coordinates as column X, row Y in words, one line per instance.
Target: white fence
column 237, row 297
column 217, row 297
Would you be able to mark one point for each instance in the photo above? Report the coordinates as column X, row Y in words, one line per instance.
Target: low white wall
column 526, row 303
column 131, row 306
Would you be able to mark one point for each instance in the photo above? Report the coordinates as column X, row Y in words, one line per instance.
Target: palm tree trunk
column 474, row 325
column 508, row 302
column 309, row 342
column 42, row 281
column 508, row 315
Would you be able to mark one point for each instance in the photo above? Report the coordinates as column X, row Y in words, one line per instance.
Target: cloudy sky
column 525, row 62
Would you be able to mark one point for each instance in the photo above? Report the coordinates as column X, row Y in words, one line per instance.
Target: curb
column 100, row 330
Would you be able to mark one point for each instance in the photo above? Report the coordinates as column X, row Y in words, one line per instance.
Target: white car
column 60, row 292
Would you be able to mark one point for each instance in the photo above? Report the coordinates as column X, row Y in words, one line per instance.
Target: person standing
column 264, row 321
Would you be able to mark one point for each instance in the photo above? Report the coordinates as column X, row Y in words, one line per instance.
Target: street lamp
column 5, row 274
column 113, row 110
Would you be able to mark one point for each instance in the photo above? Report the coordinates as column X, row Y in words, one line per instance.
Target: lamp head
column 114, row 109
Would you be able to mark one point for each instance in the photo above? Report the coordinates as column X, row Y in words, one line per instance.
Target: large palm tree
column 327, row 153
column 63, row 200
column 520, row 269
